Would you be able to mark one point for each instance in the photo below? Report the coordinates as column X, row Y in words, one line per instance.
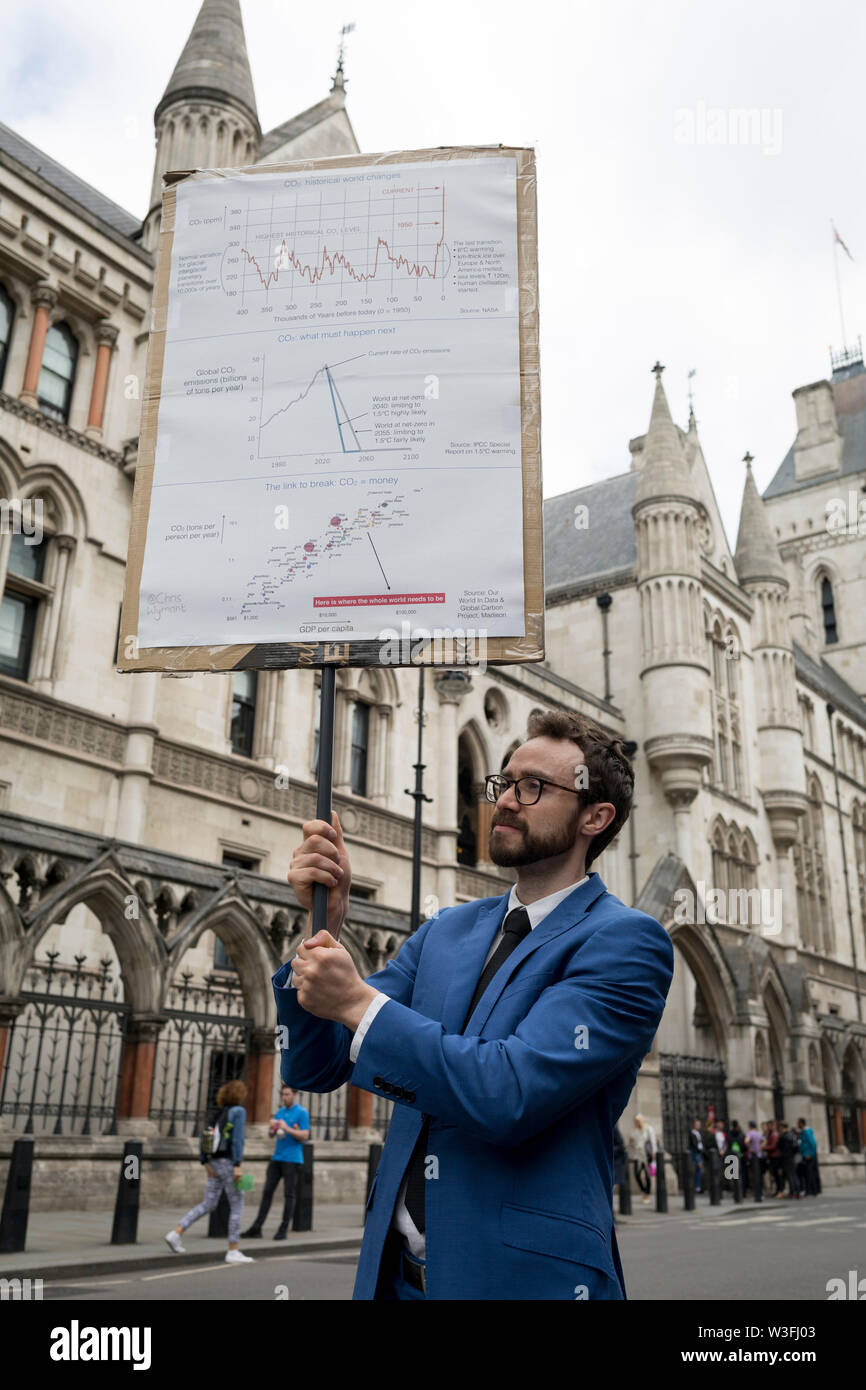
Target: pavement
column 76, row 1243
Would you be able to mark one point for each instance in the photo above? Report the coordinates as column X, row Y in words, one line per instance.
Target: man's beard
column 512, row 853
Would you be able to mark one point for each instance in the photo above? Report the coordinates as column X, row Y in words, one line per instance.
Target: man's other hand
column 327, row 982
column 322, row 858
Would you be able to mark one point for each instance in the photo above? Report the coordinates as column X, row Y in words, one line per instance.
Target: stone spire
column 757, row 556
column 664, row 469
column 207, row 117
column 214, row 65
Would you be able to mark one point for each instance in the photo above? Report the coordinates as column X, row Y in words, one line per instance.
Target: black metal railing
column 204, row 1043
column 62, row 1073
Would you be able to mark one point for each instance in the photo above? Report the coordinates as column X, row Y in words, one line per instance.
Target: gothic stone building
column 147, row 822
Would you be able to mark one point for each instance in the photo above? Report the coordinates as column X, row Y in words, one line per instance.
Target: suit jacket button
column 387, row 1088
column 377, row 1081
column 398, row 1092
column 409, row 1095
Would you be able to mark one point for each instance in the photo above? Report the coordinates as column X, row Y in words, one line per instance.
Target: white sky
column 706, row 255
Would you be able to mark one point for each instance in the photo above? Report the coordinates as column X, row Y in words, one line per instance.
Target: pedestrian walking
column 642, row 1150
column 735, row 1148
column 774, row 1158
column 754, row 1140
column 223, row 1171
column 696, row 1150
column 789, row 1148
column 808, row 1165
column 291, row 1128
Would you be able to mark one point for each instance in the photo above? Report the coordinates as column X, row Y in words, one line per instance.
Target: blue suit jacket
column 522, row 1104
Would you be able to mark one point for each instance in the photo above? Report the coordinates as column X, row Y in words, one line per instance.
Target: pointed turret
column 762, row 574
column 207, row 117
column 757, row 556
column 677, row 723
column 213, row 65
column 664, row 469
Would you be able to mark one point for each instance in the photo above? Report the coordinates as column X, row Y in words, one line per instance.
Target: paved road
column 757, row 1251
column 784, row 1250
column 301, row 1277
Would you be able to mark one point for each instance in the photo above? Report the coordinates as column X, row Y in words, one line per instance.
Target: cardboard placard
column 446, row 651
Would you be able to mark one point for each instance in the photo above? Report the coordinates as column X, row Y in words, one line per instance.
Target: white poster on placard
column 339, row 436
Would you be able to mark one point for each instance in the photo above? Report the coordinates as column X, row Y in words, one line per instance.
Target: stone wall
column 80, row 1172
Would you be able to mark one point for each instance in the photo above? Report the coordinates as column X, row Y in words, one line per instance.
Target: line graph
column 287, row 258
column 394, row 237
column 316, row 419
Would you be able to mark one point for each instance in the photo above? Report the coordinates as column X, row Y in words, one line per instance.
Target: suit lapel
column 569, row 912
column 468, row 966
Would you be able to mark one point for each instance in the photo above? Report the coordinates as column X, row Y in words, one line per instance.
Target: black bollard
column 218, row 1221
column 688, row 1173
column 304, row 1202
column 16, row 1202
column 661, row 1182
column 124, row 1231
column 372, row 1164
column 715, row 1176
column 625, row 1190
column 757, row 1178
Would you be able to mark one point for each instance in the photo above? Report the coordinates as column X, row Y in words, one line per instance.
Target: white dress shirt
column 537, row 913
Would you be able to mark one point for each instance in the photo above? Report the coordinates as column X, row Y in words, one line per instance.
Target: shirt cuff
column 372, row 1009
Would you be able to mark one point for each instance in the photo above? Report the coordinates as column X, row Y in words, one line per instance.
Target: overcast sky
column 660, row 234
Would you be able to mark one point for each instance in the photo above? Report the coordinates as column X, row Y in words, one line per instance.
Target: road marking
column 177, row 1273
column 820, row 1221
column 88, row 1283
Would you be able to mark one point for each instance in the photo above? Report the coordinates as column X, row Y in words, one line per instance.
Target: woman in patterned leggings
column 223, row 1168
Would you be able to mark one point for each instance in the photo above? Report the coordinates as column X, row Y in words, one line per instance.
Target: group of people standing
column 787, row 1156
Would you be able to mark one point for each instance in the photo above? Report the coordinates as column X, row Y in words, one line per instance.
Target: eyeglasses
column 526, row 789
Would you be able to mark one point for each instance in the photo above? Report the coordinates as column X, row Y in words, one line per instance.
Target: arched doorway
column 691, row 1043
column 65, row 1047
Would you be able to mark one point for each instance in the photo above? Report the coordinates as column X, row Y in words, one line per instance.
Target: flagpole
column 838, row 282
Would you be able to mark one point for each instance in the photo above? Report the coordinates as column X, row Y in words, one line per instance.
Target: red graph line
column 286, row 258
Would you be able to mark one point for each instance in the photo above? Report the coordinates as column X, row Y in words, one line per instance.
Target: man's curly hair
column 609, row 772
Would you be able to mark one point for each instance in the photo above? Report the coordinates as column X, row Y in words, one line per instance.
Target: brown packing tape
column 498, row 650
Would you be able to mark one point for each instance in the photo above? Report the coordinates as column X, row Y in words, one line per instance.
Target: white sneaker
column 173, row 1239
column 234, row 1257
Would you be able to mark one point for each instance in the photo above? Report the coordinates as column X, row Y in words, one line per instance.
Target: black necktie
column 515, row 927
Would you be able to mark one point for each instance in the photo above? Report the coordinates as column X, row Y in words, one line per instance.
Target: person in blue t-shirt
column 291, row 1126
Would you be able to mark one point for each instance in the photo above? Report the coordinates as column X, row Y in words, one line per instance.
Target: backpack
column 215, row 1140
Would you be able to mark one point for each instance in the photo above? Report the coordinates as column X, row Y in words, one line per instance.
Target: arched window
column 728, row 771
column 828, row 611
column 7, row 314
column 54, row 391
column 32, row 584
column 360, row 747
column 20, row 607
column 244, row 685
column 816, row 929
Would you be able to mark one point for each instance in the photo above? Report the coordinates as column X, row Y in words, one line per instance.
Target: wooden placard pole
column 325, row 778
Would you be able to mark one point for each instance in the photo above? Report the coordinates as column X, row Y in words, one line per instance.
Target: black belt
column 414, row 1273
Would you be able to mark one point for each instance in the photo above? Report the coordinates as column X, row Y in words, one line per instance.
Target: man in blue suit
column 508, row 1032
